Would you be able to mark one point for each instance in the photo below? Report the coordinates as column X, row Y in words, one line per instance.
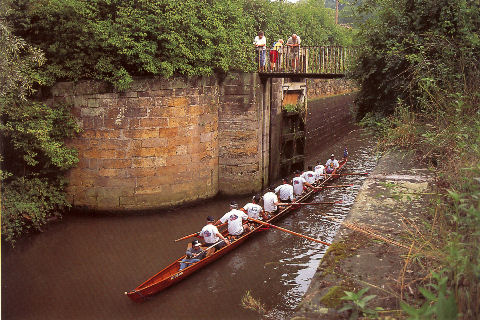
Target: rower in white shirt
column 254, row 210
column 331, row 164
column 299, row 184
column 285, row 191
column 319, row 171
column 270, row 202
column 309, row 175
column 235, row 219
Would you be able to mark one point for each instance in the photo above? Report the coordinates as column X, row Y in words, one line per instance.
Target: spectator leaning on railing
column 293, row 44
column 260, row 43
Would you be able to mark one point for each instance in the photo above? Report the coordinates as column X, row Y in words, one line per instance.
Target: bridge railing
column 306, row 59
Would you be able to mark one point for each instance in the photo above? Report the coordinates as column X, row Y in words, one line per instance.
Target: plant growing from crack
column 358, row 304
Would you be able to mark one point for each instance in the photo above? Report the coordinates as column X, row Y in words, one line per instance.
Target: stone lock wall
column 164, row 142
column 318, row 88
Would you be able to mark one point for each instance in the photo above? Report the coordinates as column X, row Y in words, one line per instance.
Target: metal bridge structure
column 323, row 62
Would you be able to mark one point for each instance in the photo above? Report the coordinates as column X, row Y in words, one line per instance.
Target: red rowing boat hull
column 171, row 274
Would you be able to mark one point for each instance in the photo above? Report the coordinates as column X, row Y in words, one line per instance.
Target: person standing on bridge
column 293, row 44
column 260, row 43
column 276, row 55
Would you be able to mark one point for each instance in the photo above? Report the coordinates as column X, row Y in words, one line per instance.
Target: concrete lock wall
column 165, row 142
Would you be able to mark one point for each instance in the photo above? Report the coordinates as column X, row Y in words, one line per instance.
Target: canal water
column 81, row 267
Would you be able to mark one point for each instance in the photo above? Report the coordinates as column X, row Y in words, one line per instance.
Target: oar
column 337, row 186
column 308, row 203
column 195, row 234
column 345, row 174
column 289, row 231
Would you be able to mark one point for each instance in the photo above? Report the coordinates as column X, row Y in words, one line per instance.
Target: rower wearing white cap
column 235, row 219
column 331, row 164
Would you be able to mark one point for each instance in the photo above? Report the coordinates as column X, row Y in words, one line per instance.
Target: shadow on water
column 81, row 267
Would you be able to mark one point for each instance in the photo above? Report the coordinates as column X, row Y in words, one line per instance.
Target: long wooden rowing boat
column 171, row 274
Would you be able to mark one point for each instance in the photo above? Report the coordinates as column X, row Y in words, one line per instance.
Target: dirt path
column 373, row 253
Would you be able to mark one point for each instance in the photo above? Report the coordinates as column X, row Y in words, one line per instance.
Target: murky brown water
column 81, row 267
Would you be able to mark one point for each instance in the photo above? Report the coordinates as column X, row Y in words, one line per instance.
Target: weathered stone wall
column 167, row 142
column 319, row 88
column 153, row 146
column 240, row 134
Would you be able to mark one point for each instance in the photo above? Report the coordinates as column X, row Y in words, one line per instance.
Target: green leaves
column 358, row 304
column 439, row 304
column 117, row 40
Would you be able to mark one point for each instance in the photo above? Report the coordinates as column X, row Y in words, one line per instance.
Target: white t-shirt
column 253, row 210
column 320, row 171
column 209, row 233
column 259, row 41
column 269, row 200
column 309, row 176
column 285, row 192
column 234, row 218
column 331, row 164
column 298, row 183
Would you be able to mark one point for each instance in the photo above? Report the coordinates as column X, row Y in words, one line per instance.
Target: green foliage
column 297, row 108
column 358, row 304
column 117, row 40
column 32, row 136
column 413, row 50
column 440, row 303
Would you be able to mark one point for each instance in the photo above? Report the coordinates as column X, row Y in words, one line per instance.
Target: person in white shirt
column 309, row 175
column 319, row 171
column 235, row 219
column 285, row 192
column 299, row 183
column 270, row 202
column 254, row 210
column 331, row 164
column 211, row 235
column 260, row 43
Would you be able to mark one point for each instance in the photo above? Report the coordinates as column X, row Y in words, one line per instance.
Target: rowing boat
column 171, row 274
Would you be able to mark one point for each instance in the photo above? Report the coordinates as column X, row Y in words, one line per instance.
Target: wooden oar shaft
column 337, row 186
column 308, row 203
column 289, row 231
column 346, row 174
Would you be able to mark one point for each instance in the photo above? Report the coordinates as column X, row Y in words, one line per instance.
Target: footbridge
column 321, row 62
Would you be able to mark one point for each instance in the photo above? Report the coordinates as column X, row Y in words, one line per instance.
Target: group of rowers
column 237, row 219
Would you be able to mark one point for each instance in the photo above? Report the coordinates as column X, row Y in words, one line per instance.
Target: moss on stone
column 332, row 298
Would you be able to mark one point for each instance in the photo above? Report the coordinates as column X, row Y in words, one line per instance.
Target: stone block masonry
column 164, row 142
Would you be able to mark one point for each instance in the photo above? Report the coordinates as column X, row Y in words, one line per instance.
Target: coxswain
column 285, row 192
column 254, row 210
column 270, row 202
column 235, row 220
column 319, row 171
column 309, row 175
column 299, row 184
column 331, row 164
column 211, row 235
column 194, row 254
